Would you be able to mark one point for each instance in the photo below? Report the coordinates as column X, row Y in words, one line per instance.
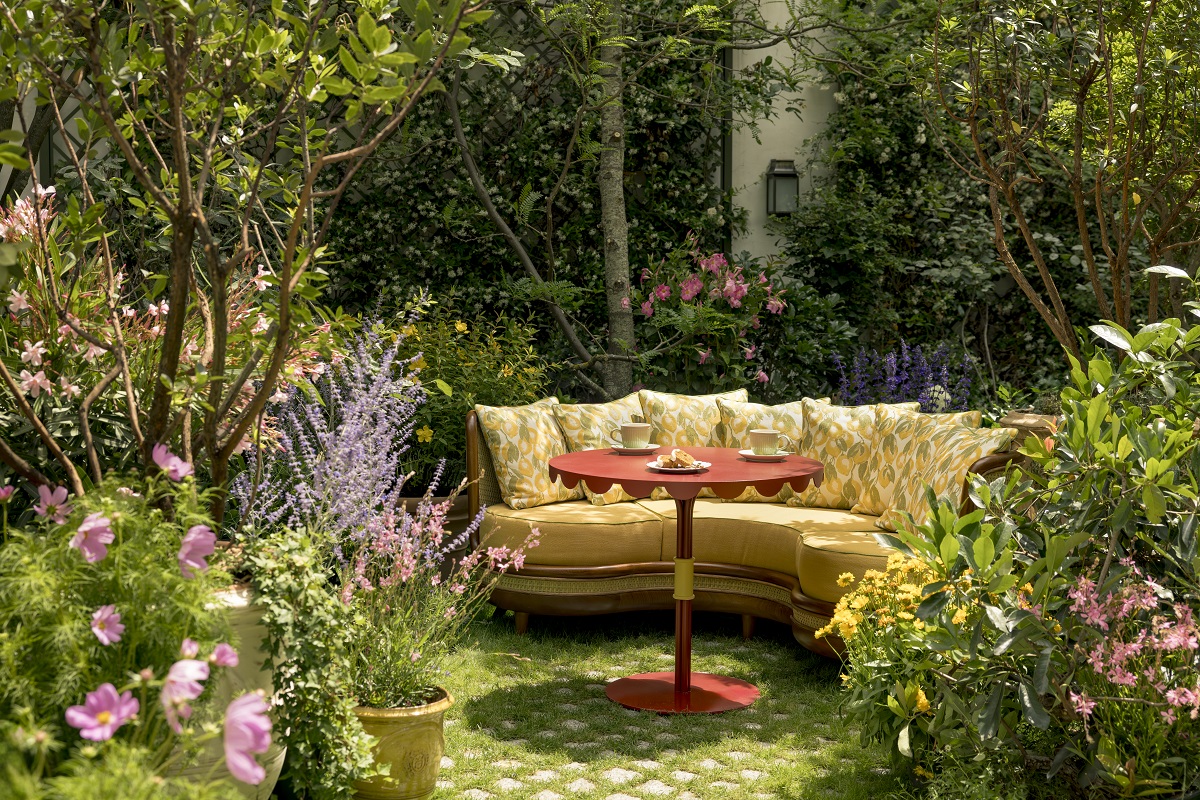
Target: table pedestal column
column 683, row 691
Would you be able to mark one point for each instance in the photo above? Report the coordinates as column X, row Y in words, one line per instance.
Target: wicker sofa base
column 648, row 586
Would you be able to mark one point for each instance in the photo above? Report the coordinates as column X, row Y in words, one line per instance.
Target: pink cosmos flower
column 176, row 468
column 182, row 684
column 18, row 302
column 198, row 542
column 662, row 291
column 762, row 377
column 690, row 288
column 224, row 656
column 6, row 492
column 247, row 731
column 35, row 384
column 106, row 624
column 33, row 353
column 92, row 537
column 189, row 648
column 54, row 503
column 648, row 308
column 102, row 713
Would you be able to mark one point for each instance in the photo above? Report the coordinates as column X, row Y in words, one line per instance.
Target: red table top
column 728, row 476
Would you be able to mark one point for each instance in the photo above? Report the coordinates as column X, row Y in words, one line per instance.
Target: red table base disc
column 655, row 691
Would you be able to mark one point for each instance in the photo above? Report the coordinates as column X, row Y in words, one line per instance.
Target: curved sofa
column 756, row 559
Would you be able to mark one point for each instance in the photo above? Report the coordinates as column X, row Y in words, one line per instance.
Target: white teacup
column 768, row 442
column 632, row 436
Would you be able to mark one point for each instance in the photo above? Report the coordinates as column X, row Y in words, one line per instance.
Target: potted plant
column 338, row 548
column 406, row 619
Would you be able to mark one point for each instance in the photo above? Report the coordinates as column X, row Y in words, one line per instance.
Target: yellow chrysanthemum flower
column 460, row 326
column 845, row 579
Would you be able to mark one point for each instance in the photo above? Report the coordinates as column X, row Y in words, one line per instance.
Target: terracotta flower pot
column 410, row 743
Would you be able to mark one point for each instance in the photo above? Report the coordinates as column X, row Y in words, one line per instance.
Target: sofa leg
column 747, row 626
column 522, row 620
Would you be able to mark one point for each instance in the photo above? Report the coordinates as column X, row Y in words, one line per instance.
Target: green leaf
column 948, row 550
column 1115, row 335
column 444, row 387
column 903, row 744
column 13, row 155
column 1031, row 704
column 984, row 552
column 1169, row 271
column 989, row 715
column 933, row 605
column 1155, row 503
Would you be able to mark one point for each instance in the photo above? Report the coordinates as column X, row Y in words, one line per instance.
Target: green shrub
column 1067, row 603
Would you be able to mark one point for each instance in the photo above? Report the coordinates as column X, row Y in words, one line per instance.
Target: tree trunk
column 618, row 374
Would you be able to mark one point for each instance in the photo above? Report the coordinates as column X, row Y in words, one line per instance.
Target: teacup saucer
column 635, row 451
column 750, row 455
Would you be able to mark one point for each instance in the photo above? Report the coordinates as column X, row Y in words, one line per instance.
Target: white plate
column 636, row 451
column 750, row 455
column 699, row 466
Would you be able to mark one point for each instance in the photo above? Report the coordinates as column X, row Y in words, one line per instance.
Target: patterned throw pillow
column 915, row 451
column 684, row 420
column 522, row 440
column 843, row 439
column 586, row 426
column 894, row 430
column 738, row 419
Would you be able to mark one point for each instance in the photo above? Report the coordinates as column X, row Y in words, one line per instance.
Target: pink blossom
column 648, row 308
column 735, row 289
column 775, row 305
column 198, row 542
column 158, row 310
column 625, row 303
column 189, row 649
column 261, row 325
column 106, row 624
column 260, row 280
column 6, row 492
column 182, row 684
column 102, row 713
column 690, row 287
column 34, row 385
column 280, row 396
column 247, row 731
column 176, row 468
column 224, row 656
column 706, row 355
column 762, row 377
column 92, row 352
column 762, row 277
column 750, row 351
column 662, row 291
column 713, row 263
column 18, row 301
column 54, row 503
column 645, row 274
column 69, row 389
column 92, row 537
column 1083, row 704
column 33, row 353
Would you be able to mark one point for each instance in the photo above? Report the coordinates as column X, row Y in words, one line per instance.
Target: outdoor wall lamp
column 783, row 187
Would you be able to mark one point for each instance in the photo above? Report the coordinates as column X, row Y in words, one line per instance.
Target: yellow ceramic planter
column 410, row 743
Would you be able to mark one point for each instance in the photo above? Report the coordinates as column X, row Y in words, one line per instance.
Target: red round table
column 683, row 691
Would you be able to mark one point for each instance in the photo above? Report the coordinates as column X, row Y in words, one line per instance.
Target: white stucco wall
column 782, row 137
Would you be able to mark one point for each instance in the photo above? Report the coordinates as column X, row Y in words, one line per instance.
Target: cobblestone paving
column 531, row 720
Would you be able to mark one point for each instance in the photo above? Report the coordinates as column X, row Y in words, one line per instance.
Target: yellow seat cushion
column 914, row 451
column 684, row 420
column 522, row 440
column 968, row 419
column 842, row 438
column 752, row 535
column 578, row 534
column 586, row 426
column 821, row 556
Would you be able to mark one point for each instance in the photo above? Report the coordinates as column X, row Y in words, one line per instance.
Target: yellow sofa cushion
column 578, row 534
column 683, row 420
column 753, row 535
column 522, row 440
column 842, row 438
column 738, row 419
column 586, row 426
column 821, row 556
column 914, row 451
column 968, row 419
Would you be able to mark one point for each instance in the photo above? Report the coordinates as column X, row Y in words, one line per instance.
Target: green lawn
column 531, row 719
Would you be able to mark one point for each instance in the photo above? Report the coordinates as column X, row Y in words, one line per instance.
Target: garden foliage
column 1055, row 625
column 939, row 381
